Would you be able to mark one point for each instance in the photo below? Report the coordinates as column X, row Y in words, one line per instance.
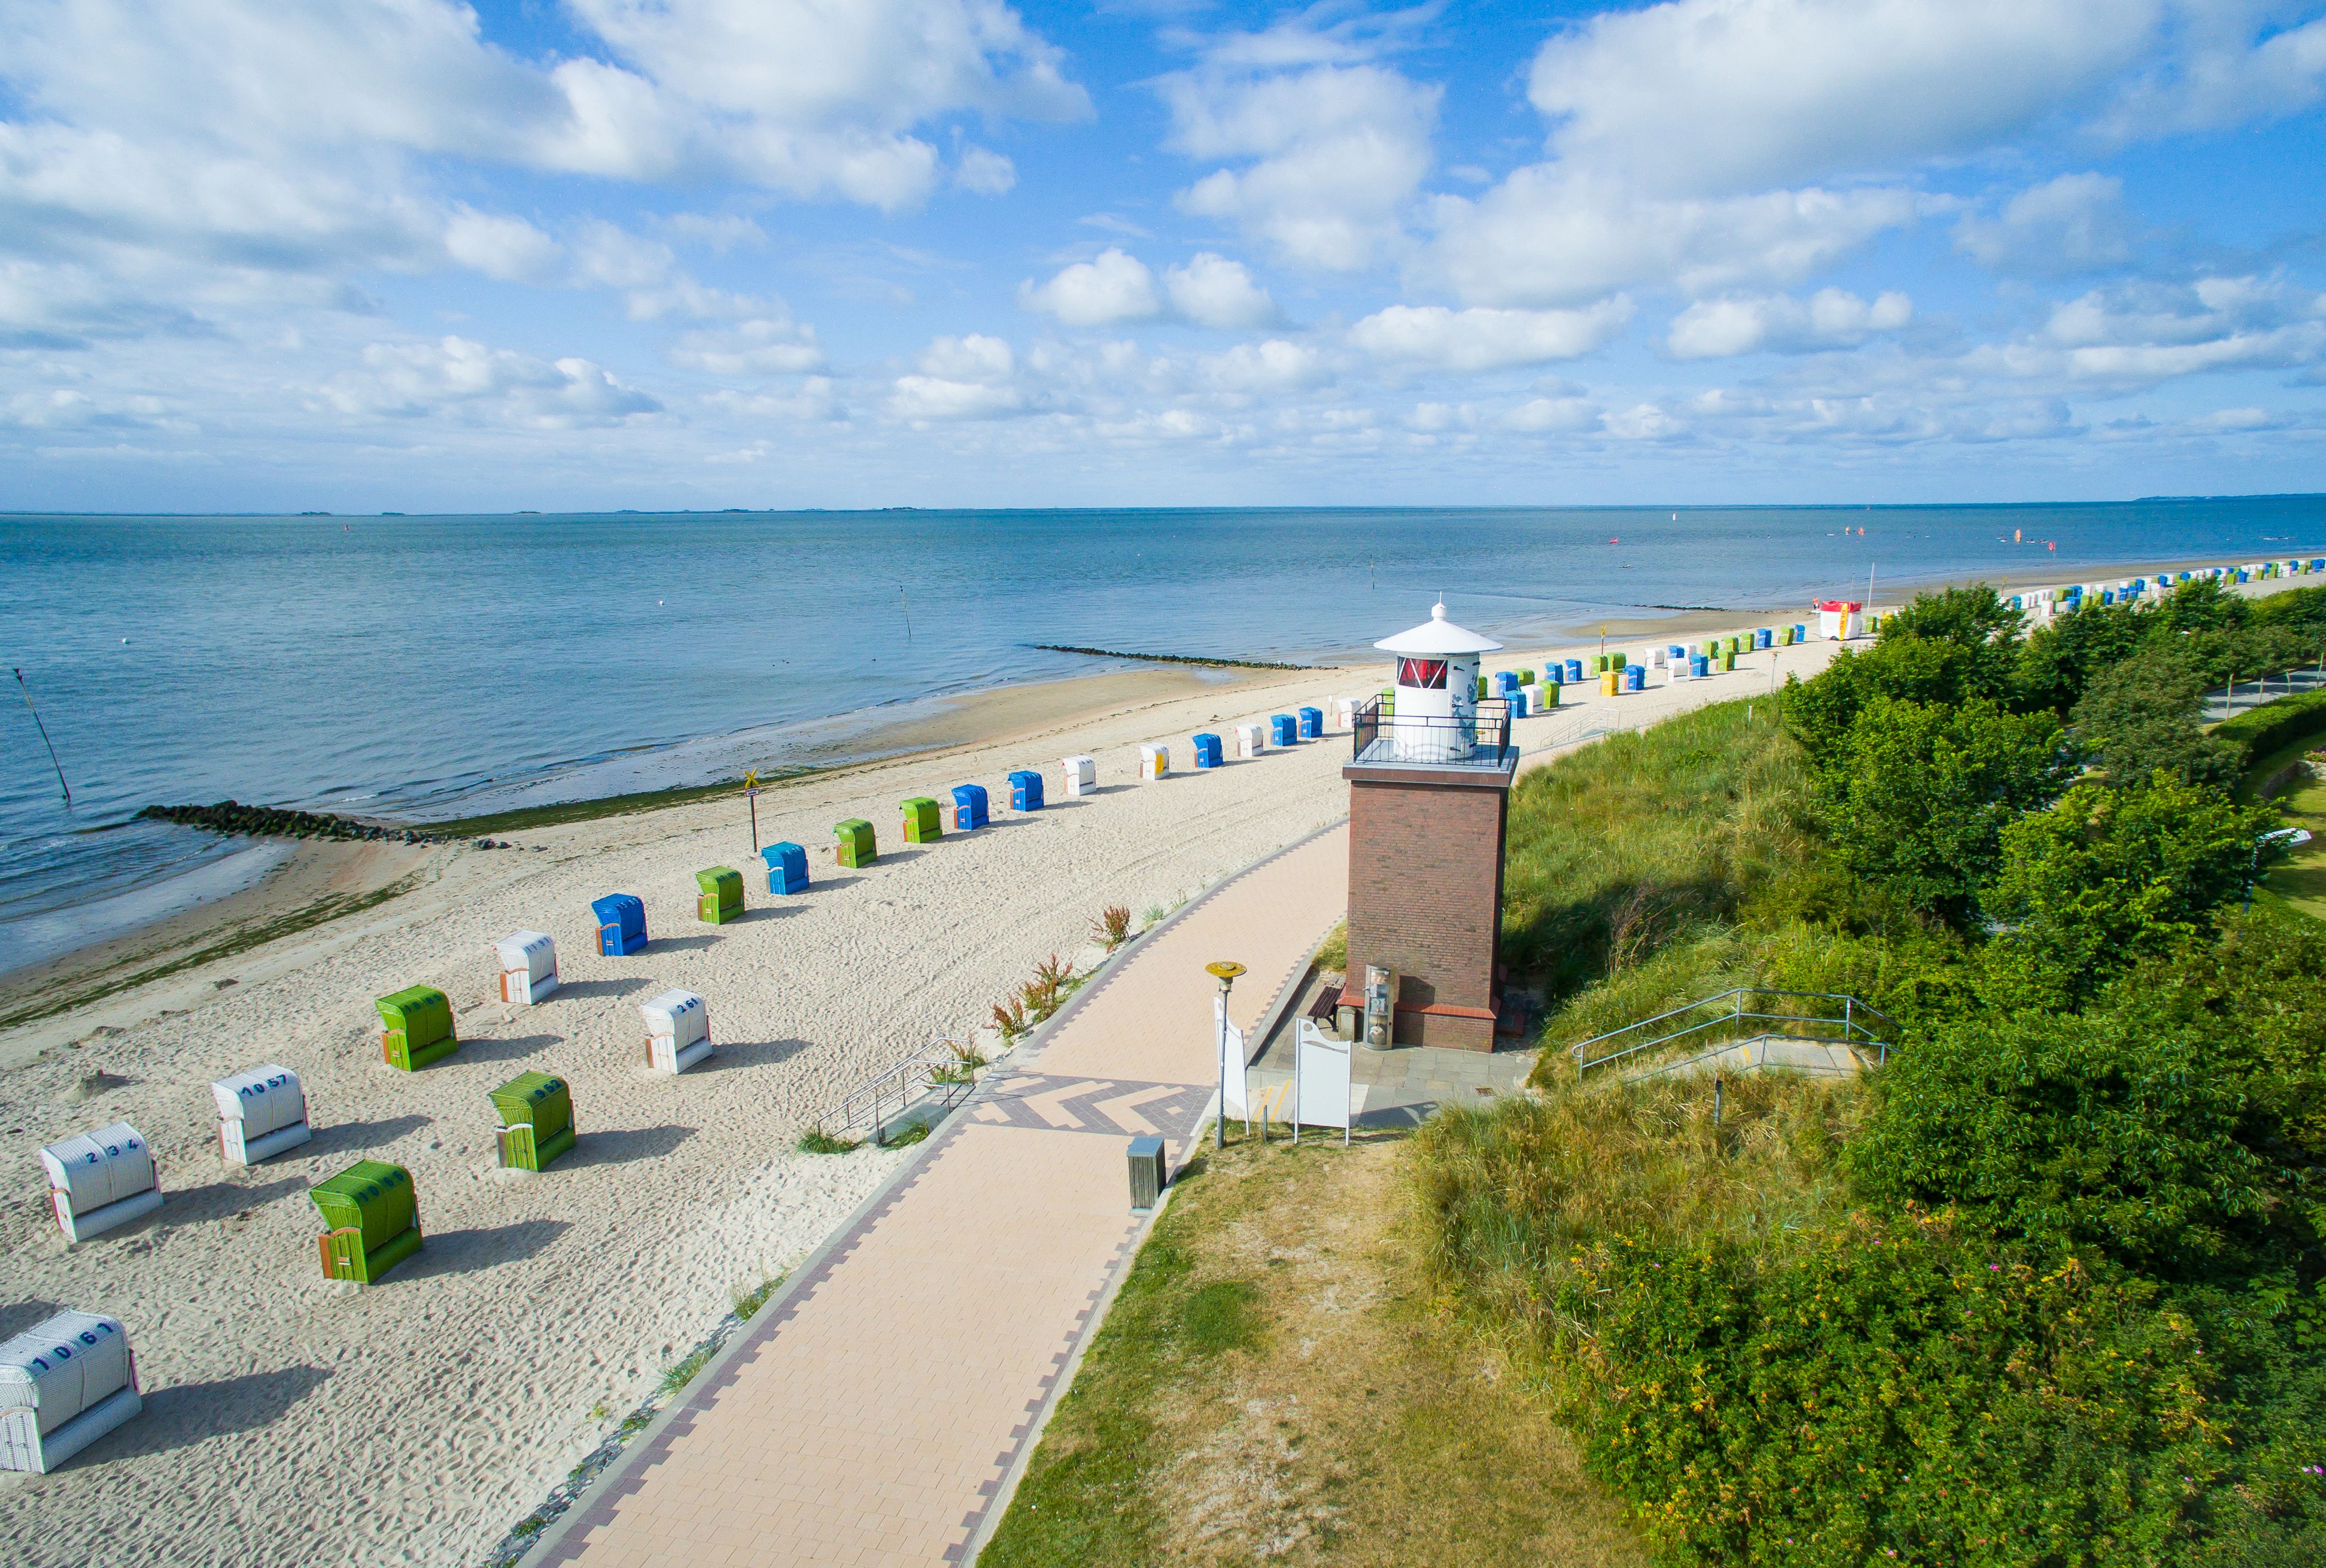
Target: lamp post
column 751, row 793
column 1225, row 973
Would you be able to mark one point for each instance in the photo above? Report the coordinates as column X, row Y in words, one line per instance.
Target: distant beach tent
column 1250, row 741
column 101, row 1180
column 969, row 807
column 786, row 867
column 1207, row 749
column 1283, row 729
column 922, row 822
column 1024, row 791
column 1839, row 618
column 1312, row 724
column 64, row 1384
column 1082, row 777
column 373, row 1213
column 857, row 845
column 529, row 966
column 415, row 1027
column 537, row 1114
column 718, row 896
column 261, row 1113
column 678, row 1031
column 621, row 923
column 1154, row 760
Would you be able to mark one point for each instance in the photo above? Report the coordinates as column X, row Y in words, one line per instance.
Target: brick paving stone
column 872, row 1413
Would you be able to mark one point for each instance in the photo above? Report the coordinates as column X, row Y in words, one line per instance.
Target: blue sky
column 366, row 254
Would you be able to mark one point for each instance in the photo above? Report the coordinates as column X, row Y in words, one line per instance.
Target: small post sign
column 751, row 793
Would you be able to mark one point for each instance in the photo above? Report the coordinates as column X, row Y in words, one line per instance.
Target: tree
column 2109, row 876
column 2141, row 716
column 1927, row 789
column 2059, row 660
column 2202, row 605
column 1821, row 711
column 1973, row 620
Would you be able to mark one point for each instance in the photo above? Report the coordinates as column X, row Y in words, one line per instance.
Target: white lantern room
column 1435, row 710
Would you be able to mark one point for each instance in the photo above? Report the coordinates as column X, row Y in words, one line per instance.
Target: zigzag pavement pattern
column 875, row 1412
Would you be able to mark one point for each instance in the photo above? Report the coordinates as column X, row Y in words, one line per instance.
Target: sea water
column 436, row 666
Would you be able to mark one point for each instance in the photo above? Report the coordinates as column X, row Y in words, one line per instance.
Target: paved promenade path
column 872, row 1412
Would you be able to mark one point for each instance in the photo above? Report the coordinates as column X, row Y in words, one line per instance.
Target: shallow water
column 436, row 665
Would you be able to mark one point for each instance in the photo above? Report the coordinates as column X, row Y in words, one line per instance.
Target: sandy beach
column 292, row 1420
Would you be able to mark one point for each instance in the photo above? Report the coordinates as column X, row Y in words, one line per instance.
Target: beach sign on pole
column 1321, row 1094
column 1224, row 971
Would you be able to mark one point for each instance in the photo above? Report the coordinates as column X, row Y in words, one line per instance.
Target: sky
column 584, row 255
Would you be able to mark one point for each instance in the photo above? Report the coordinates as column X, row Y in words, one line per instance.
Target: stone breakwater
column 233, row 818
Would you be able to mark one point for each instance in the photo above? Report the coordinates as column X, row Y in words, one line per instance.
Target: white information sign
column 1320, row 1082
column 1235, row 1084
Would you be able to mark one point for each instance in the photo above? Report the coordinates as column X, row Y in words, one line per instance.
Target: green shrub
column 2278, row 723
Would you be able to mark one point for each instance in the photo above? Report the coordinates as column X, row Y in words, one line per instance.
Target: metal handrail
column 905, row 1082
column 1479, row 736
column 1851, row 1030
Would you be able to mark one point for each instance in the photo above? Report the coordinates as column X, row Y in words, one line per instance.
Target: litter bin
column 1148, row 1172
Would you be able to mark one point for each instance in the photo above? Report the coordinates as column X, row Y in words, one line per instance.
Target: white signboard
column 1320, row 1082
column 1235, row 1086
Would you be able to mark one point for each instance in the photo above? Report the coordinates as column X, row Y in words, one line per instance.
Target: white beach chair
column 678, row 1031
column 261, row 1113
column 101, row 1180
column 63, row 1385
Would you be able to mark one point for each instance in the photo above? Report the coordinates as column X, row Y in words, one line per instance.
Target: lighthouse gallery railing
column 1479, row 740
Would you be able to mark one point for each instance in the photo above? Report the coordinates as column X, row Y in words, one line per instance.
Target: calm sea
column 421, row 666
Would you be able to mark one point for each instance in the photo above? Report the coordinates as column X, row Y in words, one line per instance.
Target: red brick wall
column 1426, row 898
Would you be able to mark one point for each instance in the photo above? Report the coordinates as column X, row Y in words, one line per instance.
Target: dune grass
column 1277, row 1381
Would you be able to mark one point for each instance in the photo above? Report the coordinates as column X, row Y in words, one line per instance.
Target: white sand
column 295, row 1421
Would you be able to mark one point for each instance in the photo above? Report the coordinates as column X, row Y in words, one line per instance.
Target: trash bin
column 1148, row 1172
column 786, row 867
column 857, row 847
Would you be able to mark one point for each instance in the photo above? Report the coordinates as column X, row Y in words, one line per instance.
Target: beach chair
column 621, row 923
column 1283, row 729
column 1208, row 750
column 1250, row 741
column 968, row 807
column 415, row 1027
column 528, row 961
column 857, row 845
column 678, row 1031
column 373, row 1213
column 1312, row 724
column 1082, row 777
column 719, row 895
column 786, row 867
column 536, row 1125
column 1024, row 791
column 1154, row 760
column 101, row 1180
column 921, row 821
column 261, row 1113
column 64, row 1383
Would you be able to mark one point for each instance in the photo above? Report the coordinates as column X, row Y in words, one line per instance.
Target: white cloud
column 1487, row 340
column 1829, row 319
column 2069, row 224
column 2226, row 67
column 969, row 377
column 975, row 357
column 507, row 248
column 1212, row 291
column 1546, row 237
column 1273, row 365
column 1114, row 286
column 762, row 346
column 461, row 378
column 1711, row 96
column 1552, row 416
column 1331, row 155
column 984, row 172
column 2136, row 334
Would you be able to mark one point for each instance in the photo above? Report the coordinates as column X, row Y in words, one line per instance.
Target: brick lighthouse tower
column 1429, row 782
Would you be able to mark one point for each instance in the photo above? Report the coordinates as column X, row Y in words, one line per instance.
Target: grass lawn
column 2301, row 881
column 1278, row 1380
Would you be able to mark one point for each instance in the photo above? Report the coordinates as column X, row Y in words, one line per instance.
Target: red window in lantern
column 1429, row 674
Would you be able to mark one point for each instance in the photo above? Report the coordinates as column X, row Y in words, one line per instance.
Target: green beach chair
column 374, row 1215
column 857, row 845
column 537, row 1114
column 719, row 897
column 921, row 823
column 415, row 1027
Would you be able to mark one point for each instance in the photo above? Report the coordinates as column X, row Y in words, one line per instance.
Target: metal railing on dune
column 1478, row 739
column 939, row 1070
column 1719, row 1021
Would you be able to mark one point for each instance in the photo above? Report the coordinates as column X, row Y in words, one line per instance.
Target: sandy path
column 295, row 1421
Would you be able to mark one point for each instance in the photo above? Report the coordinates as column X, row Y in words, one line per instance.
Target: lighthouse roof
column 1438, row 635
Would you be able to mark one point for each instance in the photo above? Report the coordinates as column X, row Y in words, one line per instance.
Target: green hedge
column 2281, row 722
